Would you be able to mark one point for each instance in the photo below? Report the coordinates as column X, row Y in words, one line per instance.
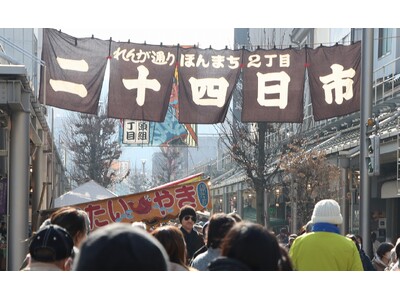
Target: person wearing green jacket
column 324, row 248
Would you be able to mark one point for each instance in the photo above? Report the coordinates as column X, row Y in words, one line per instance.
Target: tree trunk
column 260, row 204
column 259, row 187
column 267, row 202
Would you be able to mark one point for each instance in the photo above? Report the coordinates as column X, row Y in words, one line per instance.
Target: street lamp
column 143, row 166
column 277, row 194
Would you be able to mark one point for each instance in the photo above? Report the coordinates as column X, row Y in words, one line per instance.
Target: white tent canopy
column 87, row 192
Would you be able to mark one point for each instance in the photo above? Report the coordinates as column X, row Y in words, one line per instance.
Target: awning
column 390, row 189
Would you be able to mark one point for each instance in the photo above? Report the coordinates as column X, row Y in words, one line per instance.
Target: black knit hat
column 51, row 243
column 121, row 247
column 187, row 210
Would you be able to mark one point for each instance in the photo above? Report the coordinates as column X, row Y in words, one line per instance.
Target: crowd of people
column 224, row 243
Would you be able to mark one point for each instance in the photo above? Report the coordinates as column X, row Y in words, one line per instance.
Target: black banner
column 74, row 71
column 141, row 78
column 273, row 86
column 206, row 82
column 335, row 80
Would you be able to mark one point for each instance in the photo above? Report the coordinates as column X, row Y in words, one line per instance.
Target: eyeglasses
column 186, row 218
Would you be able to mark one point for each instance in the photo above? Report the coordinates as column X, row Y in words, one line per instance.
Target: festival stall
column 152, row 207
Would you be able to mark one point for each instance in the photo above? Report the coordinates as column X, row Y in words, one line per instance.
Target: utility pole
column 365, row 115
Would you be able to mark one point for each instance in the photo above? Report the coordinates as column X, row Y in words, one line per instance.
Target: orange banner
column 152, row 207
column 188, row 179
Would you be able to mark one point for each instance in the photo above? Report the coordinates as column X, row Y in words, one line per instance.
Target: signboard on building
column 135, row 132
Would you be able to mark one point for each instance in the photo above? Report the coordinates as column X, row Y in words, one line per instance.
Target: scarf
column 327, row 227
column 380, row 261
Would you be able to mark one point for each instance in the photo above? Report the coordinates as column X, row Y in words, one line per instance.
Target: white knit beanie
column 327, row 211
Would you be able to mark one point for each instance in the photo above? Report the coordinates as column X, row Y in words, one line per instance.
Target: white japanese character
column 141, row 56
column 187, row 60
column 254, row 61
column 284, row 60
column 215, row 88
column 67, row 86
column 218, row 61
column 281, row 89
column 270, row 58
column 201, row 61
column 234, row 62
column 141, row 84
column 159, row 58
column 336, row 81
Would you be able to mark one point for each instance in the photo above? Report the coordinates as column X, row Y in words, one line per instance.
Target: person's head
column 236, row 216
column 327, row 211
column 397, row 252
column 140, row 224
column 173, row 241
column 292, row 237
column 256, row 247
column 52, row 244
column 218, row 227
column 121, row 247
column 309, row 226
column 187, row 217
column 205, row 231
column 359, row 240
column 383, row 252
column 306, row 228
column 74, row 220
column 354, row 239
column 283, row 231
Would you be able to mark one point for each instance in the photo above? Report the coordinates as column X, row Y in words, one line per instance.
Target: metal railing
column 21, row 50
column 386, row 80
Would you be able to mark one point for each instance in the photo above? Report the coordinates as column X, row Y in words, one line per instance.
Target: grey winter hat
column 327, row 211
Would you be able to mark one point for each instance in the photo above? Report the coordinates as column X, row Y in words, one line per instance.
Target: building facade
column 338, row 137
column 31, row 171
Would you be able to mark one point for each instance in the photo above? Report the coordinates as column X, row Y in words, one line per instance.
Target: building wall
column 206, row 151
column 241, row 37
column 328, row 37
column 387, row 59
column 26, row 39
column 267, row 38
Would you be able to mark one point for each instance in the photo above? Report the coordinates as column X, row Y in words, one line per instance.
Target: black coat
column 193, row 242
column 223, row 263
column 366, row 261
